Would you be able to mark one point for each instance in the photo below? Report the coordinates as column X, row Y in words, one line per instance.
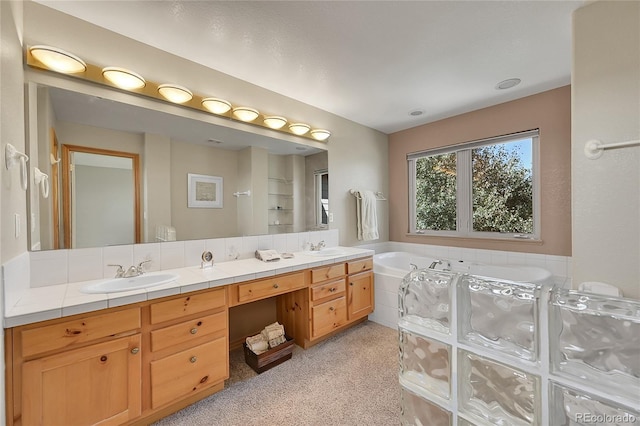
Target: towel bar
column 379, row 195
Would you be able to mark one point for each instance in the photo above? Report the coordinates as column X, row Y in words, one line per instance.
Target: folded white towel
column 277, row 341
column 267, row 255
column 366, row 216
column 257, row 344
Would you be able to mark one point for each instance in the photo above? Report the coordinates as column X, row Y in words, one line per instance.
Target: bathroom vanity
column 136, row 363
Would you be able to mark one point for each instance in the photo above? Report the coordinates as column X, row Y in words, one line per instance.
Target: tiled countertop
column 56, row 301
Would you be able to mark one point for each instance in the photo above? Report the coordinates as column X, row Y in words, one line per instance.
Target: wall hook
column 41, row 179
column 53, row 160
column 12, row 157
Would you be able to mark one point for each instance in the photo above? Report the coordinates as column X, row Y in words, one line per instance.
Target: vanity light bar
column 38, row 56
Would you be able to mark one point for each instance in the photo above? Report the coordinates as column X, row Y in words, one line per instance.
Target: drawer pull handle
column 332, row 289
column 276, row 285
column 351, row 284
column 135, row 350
column 194, row 330
column 332, row 308
column 193, row 359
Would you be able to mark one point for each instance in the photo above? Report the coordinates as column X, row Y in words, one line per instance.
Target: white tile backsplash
column 172, row 255
column 216, row 247
column 193, row 252
column 144, row 252
column 85, row 264
column 16, row 278
column 233, row 248
column 49, row 267
column 280, row 243
column 293, row 243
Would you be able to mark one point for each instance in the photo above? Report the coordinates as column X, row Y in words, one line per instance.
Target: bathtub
column 390, row 268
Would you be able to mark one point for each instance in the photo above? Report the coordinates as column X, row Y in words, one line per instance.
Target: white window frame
column 464, row 207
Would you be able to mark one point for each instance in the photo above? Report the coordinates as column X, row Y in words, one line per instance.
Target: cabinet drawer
column 327, row 273
column 328, row 316
column 270, row 287
column 190, row 371
column 188, row 330
column 81, row 330
column 188, row 305
column 332, row 288
column 359, row 265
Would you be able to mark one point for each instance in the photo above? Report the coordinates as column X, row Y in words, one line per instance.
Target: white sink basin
column 329, row 251
column 125, row 284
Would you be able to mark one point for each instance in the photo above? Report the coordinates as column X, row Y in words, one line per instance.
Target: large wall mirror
column 119, row 173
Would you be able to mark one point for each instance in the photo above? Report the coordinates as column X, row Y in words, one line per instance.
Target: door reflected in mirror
column 100, row 192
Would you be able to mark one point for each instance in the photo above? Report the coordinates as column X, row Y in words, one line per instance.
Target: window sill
column 524, row 241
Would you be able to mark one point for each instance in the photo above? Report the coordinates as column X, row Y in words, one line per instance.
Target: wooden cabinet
column 95, row 384
column 338, row 296
column 269, row 287
column 189, row 346
column 189, row 371
column 79, row 370
column 360, row 295
column 138, row 363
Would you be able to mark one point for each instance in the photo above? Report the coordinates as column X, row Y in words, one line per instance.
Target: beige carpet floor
column 349, row 379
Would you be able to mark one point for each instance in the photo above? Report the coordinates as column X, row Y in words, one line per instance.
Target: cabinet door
column 360, row 295
column 97, row 384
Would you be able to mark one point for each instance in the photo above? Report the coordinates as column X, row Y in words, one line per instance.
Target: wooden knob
column 193, row 359
column 276, row 285
column 135, row 350
column 332, row 289
column 351, row 284
column 332, row 308
column 194, row 330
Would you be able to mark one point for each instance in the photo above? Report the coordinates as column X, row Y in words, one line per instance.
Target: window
column 485, row 188
column 321, row 183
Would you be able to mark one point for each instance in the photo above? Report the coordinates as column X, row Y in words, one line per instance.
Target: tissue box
column 269, row 359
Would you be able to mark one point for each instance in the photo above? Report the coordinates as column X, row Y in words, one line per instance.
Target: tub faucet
column 434, row 263
column 413, row 266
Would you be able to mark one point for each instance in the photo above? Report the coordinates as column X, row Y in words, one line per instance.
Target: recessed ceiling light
column 214, row 141
column 508, row 84
column 301, row 148
column 416, row 112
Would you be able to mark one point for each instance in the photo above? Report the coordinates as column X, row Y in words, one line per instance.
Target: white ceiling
column 369, row 61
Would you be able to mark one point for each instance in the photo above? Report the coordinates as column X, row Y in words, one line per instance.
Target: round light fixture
column 299, row 128
column 320, row 134
column 175, row 93
column 57, row 59
column 245, row 113
column 275, row 122
column 124, row 78
column 216, row 105
column 508, row 84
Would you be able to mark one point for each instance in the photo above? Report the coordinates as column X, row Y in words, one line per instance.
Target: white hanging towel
column 366, row 216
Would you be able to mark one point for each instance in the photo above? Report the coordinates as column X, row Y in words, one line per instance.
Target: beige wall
column 156, row 185
column 548, row 111
column 606, row 106
column 12, row 199
column 195, row 223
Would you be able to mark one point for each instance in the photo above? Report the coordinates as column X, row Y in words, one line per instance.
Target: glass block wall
column 480, row 351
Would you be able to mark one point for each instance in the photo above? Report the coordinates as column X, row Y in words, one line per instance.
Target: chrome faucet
column 446, row 263
column 317, row 247
column 435, row 263
column 133, row 271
